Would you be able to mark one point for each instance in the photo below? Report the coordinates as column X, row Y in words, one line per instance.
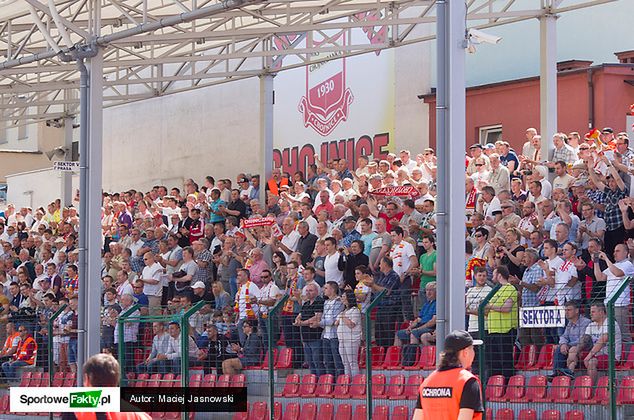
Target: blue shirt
column 427, row 312
column 215, row 206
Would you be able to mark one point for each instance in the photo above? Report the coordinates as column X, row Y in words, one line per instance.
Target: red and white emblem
column 327, row 100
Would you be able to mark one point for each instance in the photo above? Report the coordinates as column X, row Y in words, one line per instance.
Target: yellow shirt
column 503, row 322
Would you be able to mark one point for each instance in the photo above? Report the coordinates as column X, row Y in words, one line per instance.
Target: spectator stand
column 527, row 387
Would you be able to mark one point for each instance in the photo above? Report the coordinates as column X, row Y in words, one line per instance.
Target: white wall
column 45, row 184
column 188, row 135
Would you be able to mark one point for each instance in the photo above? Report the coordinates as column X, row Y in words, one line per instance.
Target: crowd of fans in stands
column 550, row 230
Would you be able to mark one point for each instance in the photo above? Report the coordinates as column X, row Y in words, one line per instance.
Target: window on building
column 490, row 134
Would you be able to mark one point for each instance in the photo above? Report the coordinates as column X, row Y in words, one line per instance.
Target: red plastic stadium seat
column 488, row 414
column 505, row 414
column 527, row 414
column 284, row 358
column 360, row 412
column 546, row 357
column 4, row 404
column 70, row 379
column 495, row 388
column 357, row 387
column 154, row 381
column 601, row 395
column 427, row 359
column 536, row 388
column 378, row 386
column 342, row 386
column 515, row 388
column 325, row 386
column 400, row 412
column 582, row 390
column 138, row 356
column 260, row 411
column 381, row 412
column 223, row 381
column 410, row 390
column 291, row 386
column 559, row 390
column 626, row 391
column 377, row 354
column 309, row 411
column 326, row 412
column 392, row 358
column 277, row 411
column 195, row 380
column 168, row 380
column 344, row 412
column 528, row 358
column 395, row 388
column 238, row 381
column 551, row 415
column 141, row 380
column 241, row 416
column 209, row 380
column 25, row 379
column 58, row 379
column 574, row 415
column 291, row 412
column 308, row 386
column 36, row 379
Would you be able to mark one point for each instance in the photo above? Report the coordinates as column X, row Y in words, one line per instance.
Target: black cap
column 476, row 146
column 350, row 219
column 607, row 130
column 458, row 340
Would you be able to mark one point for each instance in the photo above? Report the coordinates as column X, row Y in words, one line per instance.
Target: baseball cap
column 243, row 180
column 489, row 146
column 350, row 219
column 198, row 285
column 476, row 146
column 458, row 340
column 607, row 130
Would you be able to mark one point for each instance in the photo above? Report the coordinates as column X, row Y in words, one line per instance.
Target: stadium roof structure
column 153, row 48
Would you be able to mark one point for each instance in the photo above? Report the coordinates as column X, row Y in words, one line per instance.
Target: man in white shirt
column 563, row 180
column 289, row 241
column 247, row 300
column 331, row 263
column 270, row 294
column 597, row 330
column 173, row 354
column 405, row 265
column 151, row 278
column 621, row 268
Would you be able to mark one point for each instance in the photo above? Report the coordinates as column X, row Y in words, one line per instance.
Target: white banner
column 543, row 317
column 60, row 165
column 65, row 400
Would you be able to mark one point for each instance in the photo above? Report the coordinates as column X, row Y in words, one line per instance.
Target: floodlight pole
column 450, row 134
column 548, row 82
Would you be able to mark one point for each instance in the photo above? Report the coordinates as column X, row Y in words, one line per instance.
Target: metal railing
column 270, row 346
column 612, row 391
column 482, row 329
column 368, row 352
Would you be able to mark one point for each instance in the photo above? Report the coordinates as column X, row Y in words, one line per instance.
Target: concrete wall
column 36, row 188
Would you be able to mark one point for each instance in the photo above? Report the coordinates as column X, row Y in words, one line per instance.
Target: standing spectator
column 502, row 321
column 130, row 333
column 270, row 294
column 529, row 288
column 427, row 267
column 331, row 262
column 613, row 275
column 330, row 342
column 475, row 296
column 590, row 227
column 306, row 242
column 246, row 300
column 388, row 279
column 310, row 314
column 349, row 260
column 222, row 299
column 152, row 282
column 405, row 263
column 349, row 333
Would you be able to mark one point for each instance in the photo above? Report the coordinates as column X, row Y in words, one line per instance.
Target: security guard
column 452, row 392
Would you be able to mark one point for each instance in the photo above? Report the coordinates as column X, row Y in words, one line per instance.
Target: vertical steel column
column 267, row 102
column 450, row 134
column 93, row 194
column 67, row 177
column 547, row 82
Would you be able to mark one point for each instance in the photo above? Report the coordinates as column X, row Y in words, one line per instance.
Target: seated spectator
column 11, row 344
column 25, row 355
column 596, row 337
column 160, row 343
column 567, row 351
column 426, row 321
column 249, row 354
column 213, row 349
column 172, row 356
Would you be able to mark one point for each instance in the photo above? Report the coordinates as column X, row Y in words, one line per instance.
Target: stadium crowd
column 550, row 230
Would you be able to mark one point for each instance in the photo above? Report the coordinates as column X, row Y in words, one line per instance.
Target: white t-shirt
column 595, row 331
column 475, row 296
column 331, row 268
column 553, row 265
column 153, row 272
column 290, row 241
column 400, row 255
column 269, row 291
column 564, row 273
column 613, row 283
